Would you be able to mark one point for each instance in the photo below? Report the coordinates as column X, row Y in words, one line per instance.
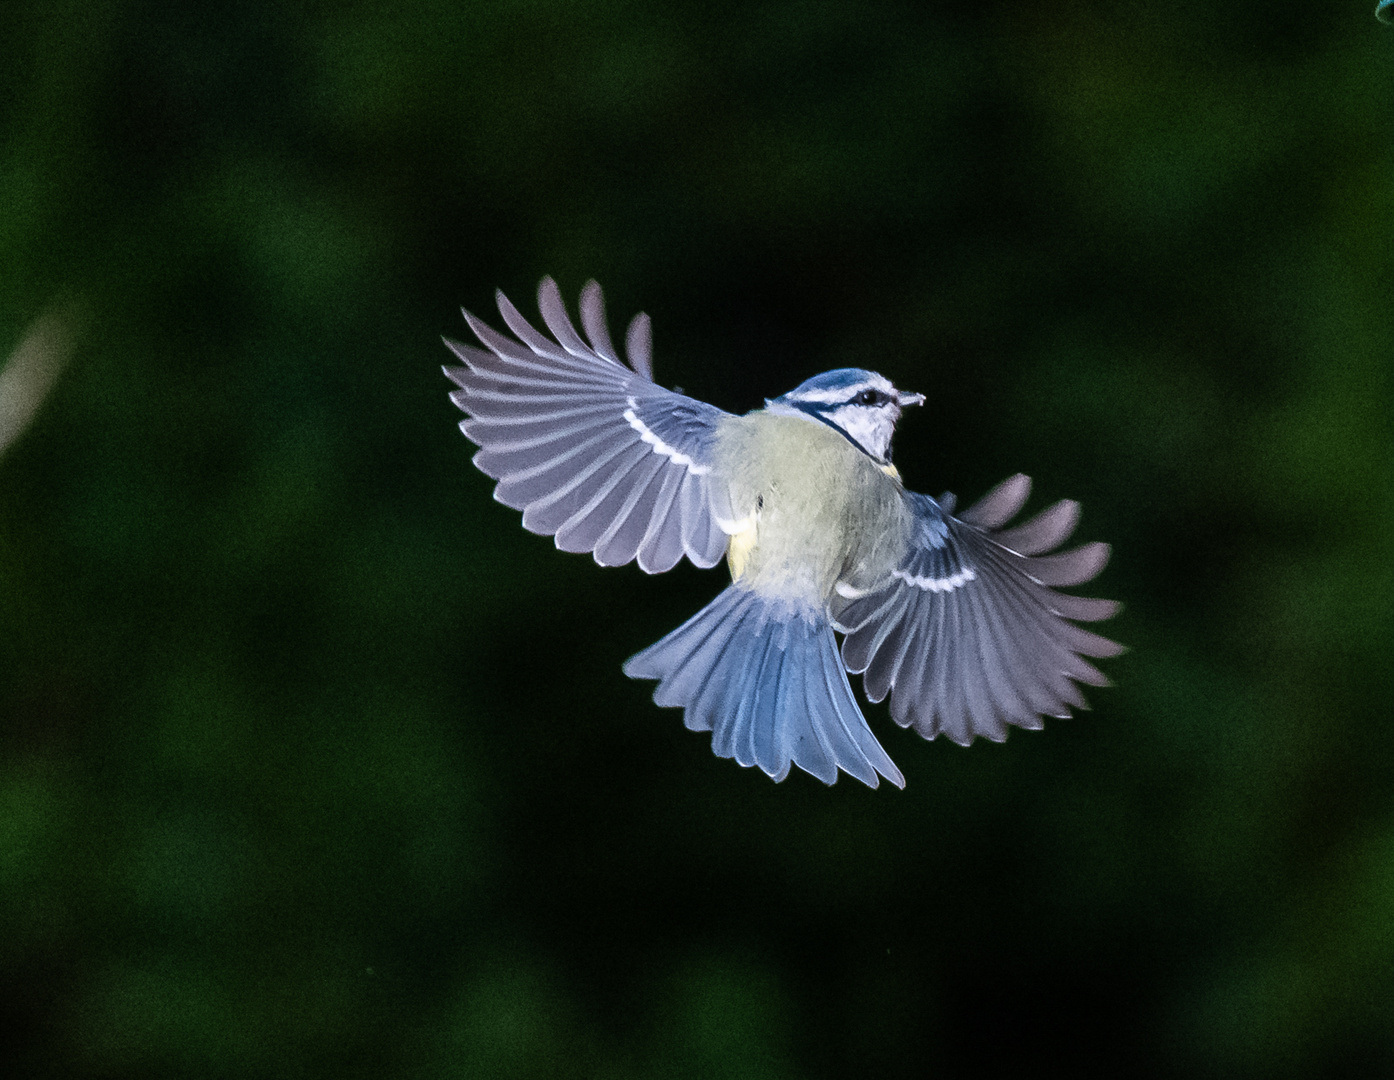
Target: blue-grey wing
column 969, row 635
column 590, row 450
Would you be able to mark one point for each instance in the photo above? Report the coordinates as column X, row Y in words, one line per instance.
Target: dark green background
column 313, row 763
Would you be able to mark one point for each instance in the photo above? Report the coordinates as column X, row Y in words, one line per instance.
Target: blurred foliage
column 314, row 763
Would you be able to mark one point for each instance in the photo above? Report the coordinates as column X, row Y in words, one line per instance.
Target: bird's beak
column 903, row 399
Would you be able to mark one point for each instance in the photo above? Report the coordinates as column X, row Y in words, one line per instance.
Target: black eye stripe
column 869, row 397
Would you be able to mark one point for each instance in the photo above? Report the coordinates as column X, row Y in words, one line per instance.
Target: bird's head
column 861, row 404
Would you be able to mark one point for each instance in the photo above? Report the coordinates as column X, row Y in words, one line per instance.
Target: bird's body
column 810, row 519
column 956, row 620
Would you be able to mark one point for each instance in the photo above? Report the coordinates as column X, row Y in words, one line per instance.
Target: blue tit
column 956, row 617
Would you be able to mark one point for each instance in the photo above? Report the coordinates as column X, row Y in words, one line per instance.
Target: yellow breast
column 740, row 546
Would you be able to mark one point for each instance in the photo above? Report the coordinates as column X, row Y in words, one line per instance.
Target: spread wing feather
column 593, row 452
column 968, row 634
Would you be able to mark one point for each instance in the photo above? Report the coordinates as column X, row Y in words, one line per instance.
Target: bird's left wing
column 589, row 449
column 968, row 634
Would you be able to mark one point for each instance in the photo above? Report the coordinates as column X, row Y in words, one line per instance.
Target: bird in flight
column 955, row 616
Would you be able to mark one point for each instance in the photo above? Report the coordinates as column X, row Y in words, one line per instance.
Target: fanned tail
column 764, row 677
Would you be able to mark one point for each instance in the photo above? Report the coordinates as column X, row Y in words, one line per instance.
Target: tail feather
column 850, row 740
column 820, row 750
column 769, row 708
column 694, row 648
column 764, row 677
column 733, row 727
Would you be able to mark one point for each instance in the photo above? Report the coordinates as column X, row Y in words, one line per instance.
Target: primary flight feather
column 957, row 618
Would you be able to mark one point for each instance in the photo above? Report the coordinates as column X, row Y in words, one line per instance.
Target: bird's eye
column 869, row 397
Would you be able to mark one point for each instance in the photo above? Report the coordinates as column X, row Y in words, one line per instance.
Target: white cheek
column 869, row 429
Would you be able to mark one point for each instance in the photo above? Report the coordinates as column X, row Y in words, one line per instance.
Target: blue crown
column 830, row 384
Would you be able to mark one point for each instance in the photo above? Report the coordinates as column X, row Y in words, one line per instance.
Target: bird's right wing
column 590, row 450
column 968, row 634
